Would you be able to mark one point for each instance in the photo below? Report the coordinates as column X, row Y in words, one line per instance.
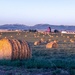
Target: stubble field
column 53, row 61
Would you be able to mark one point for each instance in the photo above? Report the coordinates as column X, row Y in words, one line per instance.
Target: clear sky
column 31, row 12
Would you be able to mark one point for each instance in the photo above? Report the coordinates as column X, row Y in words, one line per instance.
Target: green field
column 54, row 59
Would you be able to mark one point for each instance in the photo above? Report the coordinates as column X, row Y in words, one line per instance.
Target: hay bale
column 42, row 40
column 37, row 42
column 71, row 40
column 74, row 35
column 68, row 37
column 11, row 36
column 56, row 36
column 25, row 35
column 5, row 49
column 43, row 35
column 52, row 45
column 61, row 34
column 49, row 39
column 65, row 41
column 14, row 49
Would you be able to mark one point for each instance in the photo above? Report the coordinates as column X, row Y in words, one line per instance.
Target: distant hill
column 37, row 27
column 14, row 27
column 58, row 27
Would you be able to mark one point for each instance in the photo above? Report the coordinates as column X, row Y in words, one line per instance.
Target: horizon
column 31, row 12
column 38, row 24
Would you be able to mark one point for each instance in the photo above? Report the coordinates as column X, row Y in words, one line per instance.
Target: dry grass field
column 44, row 61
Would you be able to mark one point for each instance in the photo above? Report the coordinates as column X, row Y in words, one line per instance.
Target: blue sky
column 31, row 12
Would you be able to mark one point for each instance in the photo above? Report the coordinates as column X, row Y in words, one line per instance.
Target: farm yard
column 56, row 60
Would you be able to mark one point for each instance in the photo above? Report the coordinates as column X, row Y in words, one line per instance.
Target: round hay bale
column 71, row 40
column 38, row 36
column 14, row 49
column 43, row 35
column 49, row 39
column 65, row 41
column 42, row 40
column 0, row 34
column 56, row 36
column 52, row 45
column 37, row 42
column 25, row 35
column 11, row 36
column 35, row 36
column 74, row 35
column 61, row 34
column 68, row 37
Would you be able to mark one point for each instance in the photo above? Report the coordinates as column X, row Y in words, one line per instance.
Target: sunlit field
column 53, row 60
